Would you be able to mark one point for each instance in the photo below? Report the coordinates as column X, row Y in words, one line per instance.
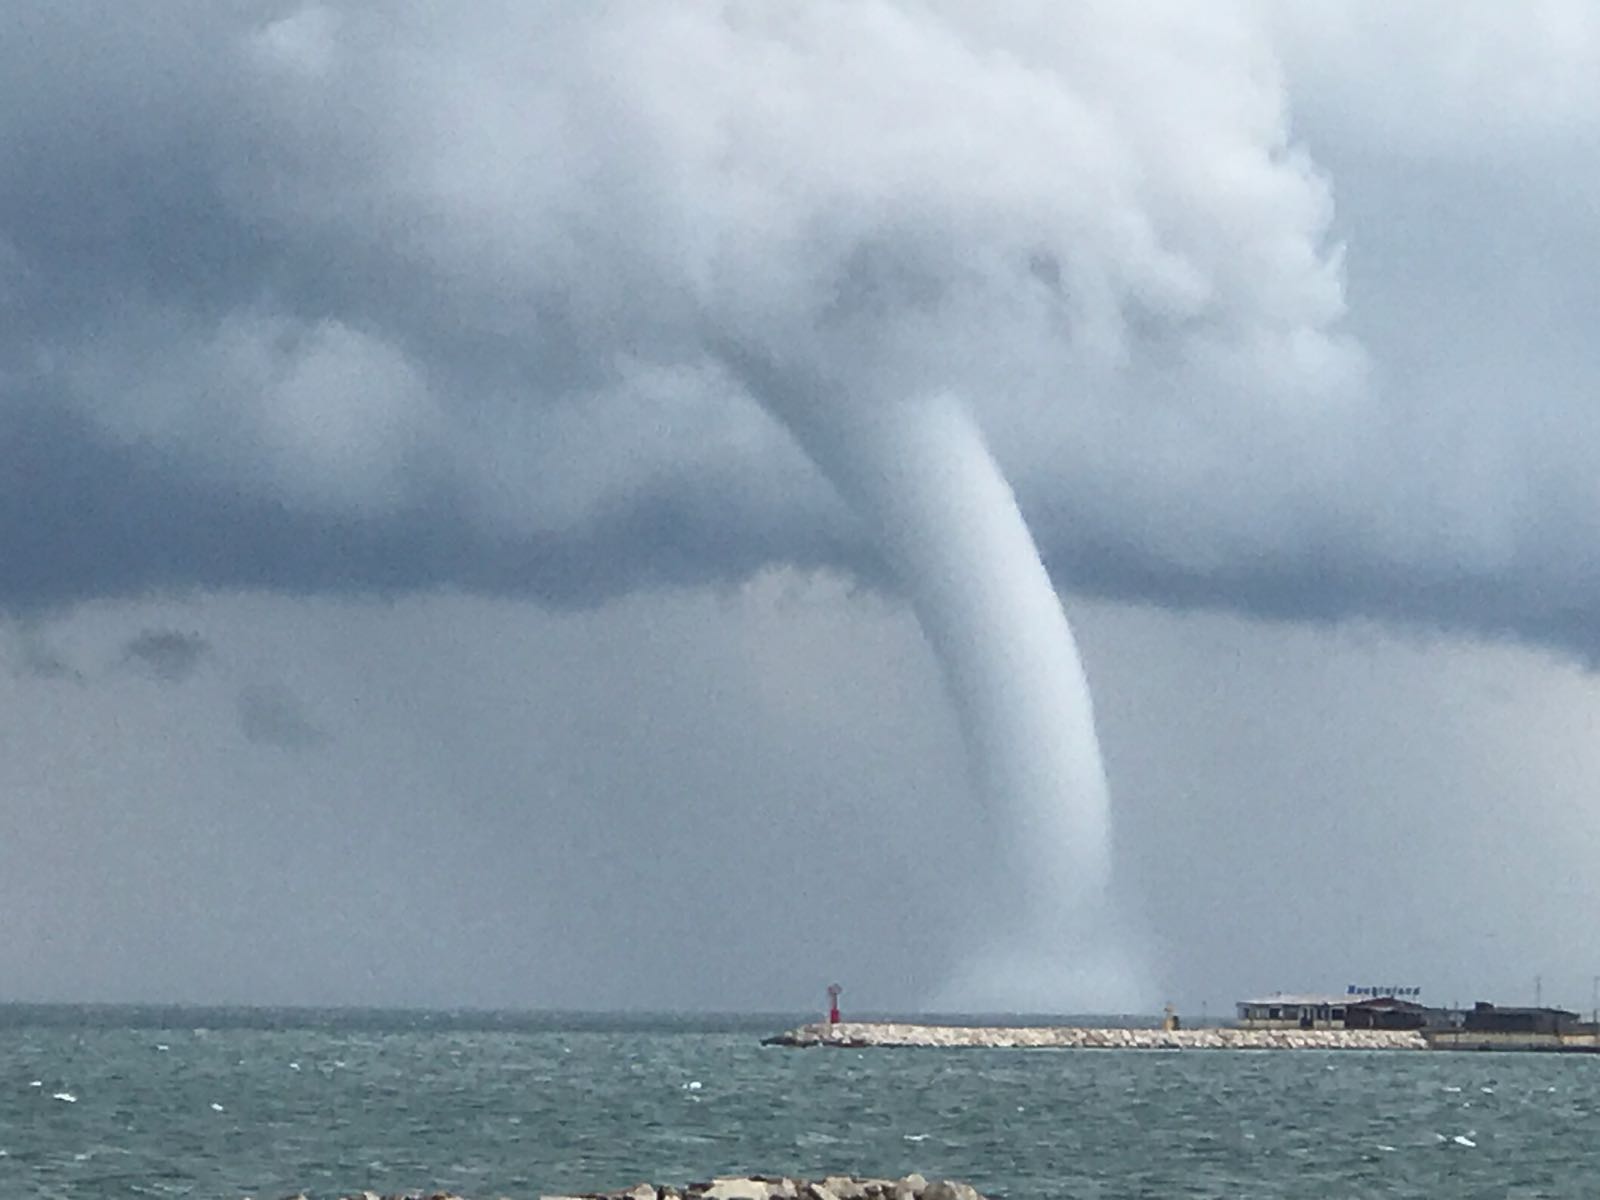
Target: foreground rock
column 851, row 1034
column 777, row 1187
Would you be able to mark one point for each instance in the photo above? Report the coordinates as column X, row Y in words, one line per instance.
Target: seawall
column 856, row 1034
column 774, row 1187
column 1478, row 1039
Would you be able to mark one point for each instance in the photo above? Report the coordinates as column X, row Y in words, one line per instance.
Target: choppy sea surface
column 107, row 1102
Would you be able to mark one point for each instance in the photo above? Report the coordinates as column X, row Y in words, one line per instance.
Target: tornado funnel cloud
column 1045, row 937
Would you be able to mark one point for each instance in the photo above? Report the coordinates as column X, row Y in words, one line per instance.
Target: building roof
column 1299, row 999
column 1387, row 1003
column 1483, row 1006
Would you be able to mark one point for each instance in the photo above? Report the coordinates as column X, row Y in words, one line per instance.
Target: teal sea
column 108, row 1102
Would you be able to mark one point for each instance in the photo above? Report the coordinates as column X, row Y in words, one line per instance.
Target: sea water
column 124, row 1102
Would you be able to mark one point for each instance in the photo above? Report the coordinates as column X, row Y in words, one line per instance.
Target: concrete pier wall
column 1471, row 1039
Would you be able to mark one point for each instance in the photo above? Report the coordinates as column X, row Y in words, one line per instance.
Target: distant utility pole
column 1594, row 1000
column 1538, row 991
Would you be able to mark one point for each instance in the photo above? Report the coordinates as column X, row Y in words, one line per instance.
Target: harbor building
column 1390, row 1012
column 1484, row 1026
column 1487, row 1026
column 1293, row 1010
column 1483, row 1017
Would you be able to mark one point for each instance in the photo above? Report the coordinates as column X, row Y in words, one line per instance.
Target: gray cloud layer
column 302, row 298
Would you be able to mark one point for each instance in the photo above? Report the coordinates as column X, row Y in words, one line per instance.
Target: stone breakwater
column 781, row 1187
column 855, row 1034
column 741, row 1187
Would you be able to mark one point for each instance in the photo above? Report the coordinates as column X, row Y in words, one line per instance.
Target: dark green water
column 219, row 1104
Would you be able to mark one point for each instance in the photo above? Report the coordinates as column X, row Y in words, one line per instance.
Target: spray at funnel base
column 1047, row 938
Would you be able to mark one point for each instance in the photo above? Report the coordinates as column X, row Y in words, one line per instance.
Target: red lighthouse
column 833, row 1003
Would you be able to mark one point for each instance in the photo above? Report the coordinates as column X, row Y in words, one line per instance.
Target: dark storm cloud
column 33, row 658
column 43, row 663
column 80, row 518
column 167, row 654
column 270, row 715
column 296, row 298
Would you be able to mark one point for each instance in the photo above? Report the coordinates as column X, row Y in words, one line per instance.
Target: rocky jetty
column 740, row 1187
column 782, row 1187
column 857, row 1034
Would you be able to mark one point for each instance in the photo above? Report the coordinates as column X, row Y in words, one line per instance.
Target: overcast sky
column 409, row 597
